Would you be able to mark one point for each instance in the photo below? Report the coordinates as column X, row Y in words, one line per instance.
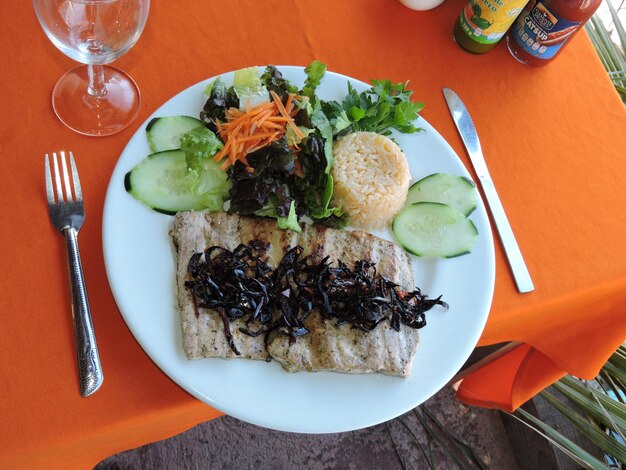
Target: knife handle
column 511, row 248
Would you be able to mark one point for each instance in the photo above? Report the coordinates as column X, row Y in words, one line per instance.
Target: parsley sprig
column 383, row 107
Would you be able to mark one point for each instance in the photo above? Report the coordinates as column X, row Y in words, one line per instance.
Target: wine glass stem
column 96, row 87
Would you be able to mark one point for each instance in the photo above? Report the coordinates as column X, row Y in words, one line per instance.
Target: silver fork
column 67, row 214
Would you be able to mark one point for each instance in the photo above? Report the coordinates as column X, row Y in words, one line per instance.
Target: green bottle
column 482, row 23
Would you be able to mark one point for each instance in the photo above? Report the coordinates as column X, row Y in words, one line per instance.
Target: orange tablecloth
column 555, row 140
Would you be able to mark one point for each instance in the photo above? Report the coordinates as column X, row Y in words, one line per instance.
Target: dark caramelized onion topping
column 239, row 284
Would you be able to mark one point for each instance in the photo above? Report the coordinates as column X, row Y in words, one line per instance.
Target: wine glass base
column 96, row 115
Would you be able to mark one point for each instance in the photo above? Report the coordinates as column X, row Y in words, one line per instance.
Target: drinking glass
column 94, row 99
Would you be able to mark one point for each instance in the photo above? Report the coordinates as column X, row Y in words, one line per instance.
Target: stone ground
column 402, row 443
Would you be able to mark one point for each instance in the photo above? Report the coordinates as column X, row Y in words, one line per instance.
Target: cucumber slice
column 162, row 182
column 164, row 132
column 432, row 229
column 455, row 191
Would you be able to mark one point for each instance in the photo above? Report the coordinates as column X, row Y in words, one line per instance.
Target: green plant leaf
column 614, row 386
column 598, row 46
column 442, row 444
column 593, row 432
column 592, row 406
column 462, row 446
column 621, row 90
column 395, row 447
column 618, row 26
column 602, row 47
column 419, row 444
column 577, row 453
column 617, row 58
column 611, row 405
column 613, row 59
column 615, row 372
column 618, row 361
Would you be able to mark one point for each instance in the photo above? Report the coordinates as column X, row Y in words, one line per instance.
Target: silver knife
column 468, row 133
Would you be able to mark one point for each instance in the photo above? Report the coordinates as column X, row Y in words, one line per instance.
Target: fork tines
column 50, row 187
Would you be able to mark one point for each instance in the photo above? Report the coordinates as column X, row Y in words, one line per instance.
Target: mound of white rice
column 371, row 178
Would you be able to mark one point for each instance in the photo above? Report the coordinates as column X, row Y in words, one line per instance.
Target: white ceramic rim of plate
column 319, row 409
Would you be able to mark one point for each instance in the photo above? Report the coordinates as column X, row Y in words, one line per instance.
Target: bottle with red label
column 545, row 26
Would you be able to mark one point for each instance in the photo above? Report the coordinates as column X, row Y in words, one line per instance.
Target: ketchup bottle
column 545, row 26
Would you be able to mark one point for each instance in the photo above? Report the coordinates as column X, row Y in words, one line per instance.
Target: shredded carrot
column 256, row 137
column 279, row 119
column 264, row 116
column 249, row 131
column 270, row 125
column 298, row 167
column 285, row 113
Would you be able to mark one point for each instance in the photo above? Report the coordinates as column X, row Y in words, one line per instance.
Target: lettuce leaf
column 323, row 211
column 323, row 125
column 247, row 79
column 266, row 191
column 291, row 221
column 219, row 100
column 315, row 188
column 315, row 71
column 199, row 145
column 249, row 89
column 273, row 80
column 204, row 176
column 293, row 139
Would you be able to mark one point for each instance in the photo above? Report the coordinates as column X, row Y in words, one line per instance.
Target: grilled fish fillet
column 326, row 347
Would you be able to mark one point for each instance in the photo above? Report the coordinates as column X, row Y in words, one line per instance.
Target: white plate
column 140, row 264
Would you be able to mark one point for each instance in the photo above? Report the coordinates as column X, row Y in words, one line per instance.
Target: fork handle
column 89, row 368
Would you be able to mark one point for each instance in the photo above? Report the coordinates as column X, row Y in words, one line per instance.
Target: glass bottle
column 545, row 26
column 482, row 23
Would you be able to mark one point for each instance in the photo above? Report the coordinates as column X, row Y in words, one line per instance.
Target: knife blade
column 469, row 136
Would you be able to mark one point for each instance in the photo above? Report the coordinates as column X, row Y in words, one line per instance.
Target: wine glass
column 94, row 99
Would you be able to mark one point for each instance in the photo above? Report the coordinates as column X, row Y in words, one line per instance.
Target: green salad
column 263, row 147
